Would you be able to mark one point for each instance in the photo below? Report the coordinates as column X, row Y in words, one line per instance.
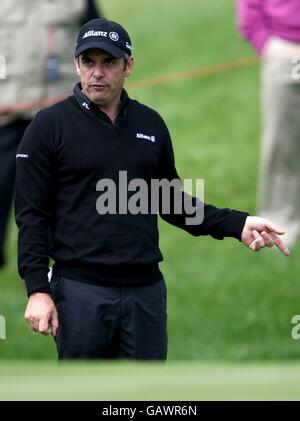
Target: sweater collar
column 87, row 105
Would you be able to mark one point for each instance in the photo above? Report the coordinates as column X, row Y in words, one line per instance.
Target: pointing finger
column 280, row 244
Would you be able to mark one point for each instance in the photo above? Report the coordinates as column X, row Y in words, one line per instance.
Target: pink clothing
column 260, row 19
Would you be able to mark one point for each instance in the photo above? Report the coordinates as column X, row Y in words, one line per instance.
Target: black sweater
column 65, row 151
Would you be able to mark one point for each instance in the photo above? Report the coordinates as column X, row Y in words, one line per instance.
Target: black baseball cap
column 105, row 34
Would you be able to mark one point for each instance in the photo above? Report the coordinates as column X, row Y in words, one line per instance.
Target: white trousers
column 279, row 184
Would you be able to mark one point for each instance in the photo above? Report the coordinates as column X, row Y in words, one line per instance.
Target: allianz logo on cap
column 95, row 34
column 112, row 35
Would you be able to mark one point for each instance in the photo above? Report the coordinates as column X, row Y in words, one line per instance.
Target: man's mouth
column 98, row 86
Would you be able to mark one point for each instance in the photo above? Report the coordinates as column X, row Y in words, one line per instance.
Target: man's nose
column 98, row 71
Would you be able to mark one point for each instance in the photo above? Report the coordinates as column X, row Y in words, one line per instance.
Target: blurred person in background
column 272, row 27
column 107, row 296
column 36, row 40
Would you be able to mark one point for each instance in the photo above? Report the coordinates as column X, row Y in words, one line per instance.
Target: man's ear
column 129, row 68
column 76, row 61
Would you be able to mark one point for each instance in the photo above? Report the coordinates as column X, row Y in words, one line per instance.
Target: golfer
column 107, row 296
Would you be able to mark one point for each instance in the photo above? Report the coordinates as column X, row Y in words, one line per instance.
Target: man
column 272, row 27
column 39, row 33
column 107, row 297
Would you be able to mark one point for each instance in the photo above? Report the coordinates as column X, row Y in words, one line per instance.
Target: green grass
column 124, row 381
column 224, row 302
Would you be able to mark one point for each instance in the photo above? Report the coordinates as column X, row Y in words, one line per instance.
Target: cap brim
column 114, row 51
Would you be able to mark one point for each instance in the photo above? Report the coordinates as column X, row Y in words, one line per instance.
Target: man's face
column 102, row 76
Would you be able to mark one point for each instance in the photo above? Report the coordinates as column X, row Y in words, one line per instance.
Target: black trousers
column 10, row 137
column 100, row 322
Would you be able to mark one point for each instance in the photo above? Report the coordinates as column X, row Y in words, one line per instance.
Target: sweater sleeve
column 252, row 23
column 218, row 223
column 34, row 184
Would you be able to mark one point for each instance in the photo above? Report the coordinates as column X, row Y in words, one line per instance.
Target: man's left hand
column 260, row 232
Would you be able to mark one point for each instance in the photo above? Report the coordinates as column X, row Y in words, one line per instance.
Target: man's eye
column 87, row 62
column 111, row 62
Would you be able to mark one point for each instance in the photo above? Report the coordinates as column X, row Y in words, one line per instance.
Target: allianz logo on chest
column 145, row 137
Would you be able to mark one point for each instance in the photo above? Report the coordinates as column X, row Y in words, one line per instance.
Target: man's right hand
column 41, row 314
